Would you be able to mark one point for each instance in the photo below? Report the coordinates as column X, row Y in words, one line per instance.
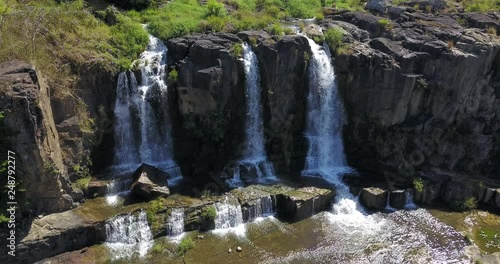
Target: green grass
column 480, row 5
column 82, row 183
column 385, row 23
column 173, row 75
column 153, row 208
column 186, row 244
column 351, row 5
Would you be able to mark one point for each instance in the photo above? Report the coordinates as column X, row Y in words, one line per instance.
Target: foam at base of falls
column 128, row 235
column 175, row 224
column 229, row 219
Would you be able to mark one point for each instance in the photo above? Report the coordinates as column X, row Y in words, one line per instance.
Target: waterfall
column 175, row 223
column 229, row 218
column 261, row 208
column 127, row 235
column 409, row 204
column 325, row 155
column 255, row 154
column 388, row 206
column 142, row 130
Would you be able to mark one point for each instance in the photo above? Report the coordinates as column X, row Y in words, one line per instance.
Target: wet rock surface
column 373, row 198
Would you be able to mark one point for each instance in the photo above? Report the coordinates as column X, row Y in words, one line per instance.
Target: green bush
column 214, row 8
column 480, row 5
column 236, row 50
column 82, row 183
column 186, row 244
column 209, row 213
column 153, row 208
column 173, row 76
column 275, row 29
column 129, row 39
column 385, row 23
column 418, row 185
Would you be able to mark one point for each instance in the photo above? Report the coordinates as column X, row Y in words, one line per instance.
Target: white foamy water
column 175, row 224
column 229, row 219
column 143, row 127
column 128, row 235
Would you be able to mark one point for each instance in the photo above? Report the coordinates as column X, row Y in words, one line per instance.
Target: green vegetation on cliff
column 58, row 37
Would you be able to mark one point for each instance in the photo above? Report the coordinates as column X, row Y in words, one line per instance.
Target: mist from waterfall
column 142, row 127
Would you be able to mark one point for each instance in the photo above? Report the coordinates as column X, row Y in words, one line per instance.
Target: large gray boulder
column 378, row 5
column 149, row 182
column 373, row 198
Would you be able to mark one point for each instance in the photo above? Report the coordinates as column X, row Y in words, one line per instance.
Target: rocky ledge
column 86, row 225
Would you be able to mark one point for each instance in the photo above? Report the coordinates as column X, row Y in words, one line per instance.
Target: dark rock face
column 397, row 199
column 24, row 98
column 373, row 198
column 149, row 182
column 421, row 97
column 210, row 99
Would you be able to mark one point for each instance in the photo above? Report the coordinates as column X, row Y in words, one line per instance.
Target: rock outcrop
column 421, row 95
column 32, row 134
column 150, row 182
column 373, row 198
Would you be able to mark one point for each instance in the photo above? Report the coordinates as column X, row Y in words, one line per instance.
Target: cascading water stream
column 175, row 223
column 142, row 127
column 229, row 218
column 128, row 235
column 255, row 155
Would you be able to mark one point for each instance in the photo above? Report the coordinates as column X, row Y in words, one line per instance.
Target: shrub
column 186, row 244
column 82, row 183
column 214, row 8
column 464, row 205
column 215, row 24
column 237, row 50
column 275, row 29
column 418, row 184
column 480, row 5
column 318, row 39
column 173, row 76
column 153, row 208
column 209, row 213
column 333, row 37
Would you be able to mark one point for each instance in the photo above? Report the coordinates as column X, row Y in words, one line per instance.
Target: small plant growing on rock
column 307, row 56
column 275, row 29
column 236, row 50
column 318, row 39
column 418, row 184
column 464, row 205
column 253, row 41
column 491, row 31
column 333, row 37
column 153, row 208
column 385, row 23
column 428, row 9
column 422, row 83
column 158, row 247
column 82, row 183
column 173, row 76
column 210, row 213
column 451, row 44
column 186, row 244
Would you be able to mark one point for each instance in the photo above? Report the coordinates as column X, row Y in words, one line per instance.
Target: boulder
column 379, row 6
column 301, row 203
column 453, row 191
column 149, row 182
column 397, row 199
column 77, row 194
column 373, row 198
